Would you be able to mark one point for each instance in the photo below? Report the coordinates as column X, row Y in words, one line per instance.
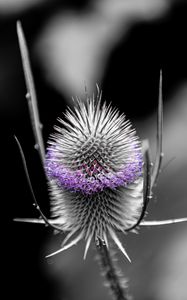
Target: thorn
column 72, row 243
column 36, row 146
column 118, row 243
column 87, row 246
column 28, row 95
column 98, row 90
column 85, row 88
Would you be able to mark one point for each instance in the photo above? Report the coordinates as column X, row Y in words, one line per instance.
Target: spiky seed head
column 94, row 165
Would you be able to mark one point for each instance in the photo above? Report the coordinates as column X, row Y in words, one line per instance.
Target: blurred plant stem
column 113, row 275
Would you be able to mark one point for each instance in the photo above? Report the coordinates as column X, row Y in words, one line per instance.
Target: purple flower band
column 91, row 181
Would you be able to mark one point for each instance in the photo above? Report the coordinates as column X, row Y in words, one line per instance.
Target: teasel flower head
column 94, row 165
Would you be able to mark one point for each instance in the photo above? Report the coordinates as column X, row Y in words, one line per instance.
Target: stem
column 114, row 277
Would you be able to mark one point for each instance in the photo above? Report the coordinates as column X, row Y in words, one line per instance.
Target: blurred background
column 121, row 45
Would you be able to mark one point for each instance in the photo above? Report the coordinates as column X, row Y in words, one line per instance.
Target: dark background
column 132, row 73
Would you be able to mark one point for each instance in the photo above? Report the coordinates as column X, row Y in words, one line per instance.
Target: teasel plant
column 99, row 173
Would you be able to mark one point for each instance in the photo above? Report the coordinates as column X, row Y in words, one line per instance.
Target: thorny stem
column 46, row 221
column 31, row 94
column 147, row 194
column 115, row 281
